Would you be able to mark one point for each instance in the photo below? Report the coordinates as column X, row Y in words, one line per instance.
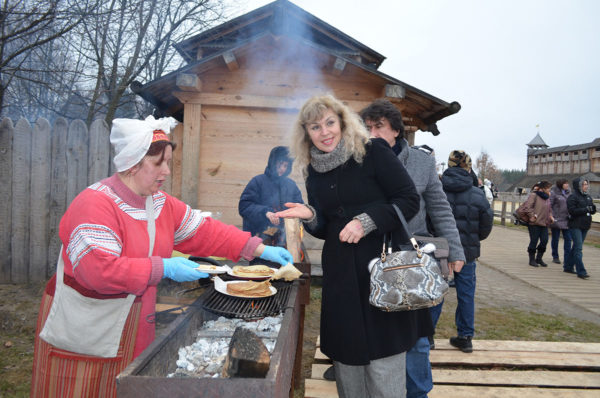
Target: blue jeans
column 418, row 370
column 568, row 242
column 419, row 380
column 465, row 281
column 576, row 256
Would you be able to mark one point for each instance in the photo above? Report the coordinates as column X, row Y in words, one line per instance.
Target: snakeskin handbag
column 409, row 279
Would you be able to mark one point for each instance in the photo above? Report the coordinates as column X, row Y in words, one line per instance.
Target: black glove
column 592, row 209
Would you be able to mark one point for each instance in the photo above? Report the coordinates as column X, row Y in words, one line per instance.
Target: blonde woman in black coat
column 351, row 183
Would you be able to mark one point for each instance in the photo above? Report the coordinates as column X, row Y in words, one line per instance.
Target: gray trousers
column 382, row 378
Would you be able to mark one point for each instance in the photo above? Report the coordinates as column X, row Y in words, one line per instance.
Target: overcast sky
column 511, row 64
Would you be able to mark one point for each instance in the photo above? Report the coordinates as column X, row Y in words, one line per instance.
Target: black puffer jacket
column 472, row 212
column 580, row 206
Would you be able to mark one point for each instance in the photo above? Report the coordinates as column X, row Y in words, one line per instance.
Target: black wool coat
column 352, row 331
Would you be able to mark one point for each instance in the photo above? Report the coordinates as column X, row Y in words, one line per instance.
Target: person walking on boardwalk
column 581, row 207
column 474, row 220
column 537, row 207
column 558, row 201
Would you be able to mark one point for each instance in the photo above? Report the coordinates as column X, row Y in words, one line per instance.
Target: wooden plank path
column 506, row 251
column 520, row 369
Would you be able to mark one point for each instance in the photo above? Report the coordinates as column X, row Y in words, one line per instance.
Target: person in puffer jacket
column 474, row 220
column 265, row 195
column 581, row 207
column 537, row 207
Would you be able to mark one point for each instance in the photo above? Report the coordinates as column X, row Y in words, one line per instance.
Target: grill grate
column 256, row 308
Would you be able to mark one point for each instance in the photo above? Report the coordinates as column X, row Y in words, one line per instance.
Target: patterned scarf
column 323, row 162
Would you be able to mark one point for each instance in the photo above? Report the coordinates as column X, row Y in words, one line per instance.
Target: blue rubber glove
column 277, row 255
column 181, row 269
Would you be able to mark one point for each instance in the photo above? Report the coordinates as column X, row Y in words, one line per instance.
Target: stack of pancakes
column 252, row 271
column 249, row 289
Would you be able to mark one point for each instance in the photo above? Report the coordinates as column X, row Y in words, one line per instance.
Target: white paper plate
column 221, row 287
column 250, row 278
column 218, row 270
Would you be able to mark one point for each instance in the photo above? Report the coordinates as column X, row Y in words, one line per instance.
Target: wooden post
column 503, row 215
column 293, row 238
column 21, row 183
column 190, row 163
column 39, row 200
column 6, row 155
column 99, row 152
column 58, row 190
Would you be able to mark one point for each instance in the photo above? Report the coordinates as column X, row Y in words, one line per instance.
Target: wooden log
column 6, row 154
column 188, row 82
column 394, row 91
column 39, row 200
column 99, row 151
column 231, row 61
column 338, row 66
column 247, row 355
column 77, row 159
column 173, row 184
column 503, row 216
column 21, row 183
column 192, row 127
column 293, row 238
column 58, row 189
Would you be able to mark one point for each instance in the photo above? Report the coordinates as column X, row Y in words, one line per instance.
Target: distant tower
column 536, row 143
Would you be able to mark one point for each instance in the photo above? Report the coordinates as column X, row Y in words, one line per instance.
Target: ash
column 206, row 356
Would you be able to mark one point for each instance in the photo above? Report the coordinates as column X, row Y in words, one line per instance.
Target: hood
column 487, row 183
column 576, row 185
column 456, row 179
column 557, row 191
column 279, row 153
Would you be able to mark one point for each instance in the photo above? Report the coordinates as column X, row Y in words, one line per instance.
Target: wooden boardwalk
column 506, row 251
column 520, row 369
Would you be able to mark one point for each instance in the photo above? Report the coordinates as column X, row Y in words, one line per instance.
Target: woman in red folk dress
column 118, row 236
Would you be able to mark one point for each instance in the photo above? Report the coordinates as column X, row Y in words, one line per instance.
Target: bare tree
column 28, row 25
column 486, row 168
column 131, row 39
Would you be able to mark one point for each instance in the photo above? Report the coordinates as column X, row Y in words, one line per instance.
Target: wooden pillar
column 190, row 163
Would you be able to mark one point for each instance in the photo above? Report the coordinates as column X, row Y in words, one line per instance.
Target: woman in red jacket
column 118, row 235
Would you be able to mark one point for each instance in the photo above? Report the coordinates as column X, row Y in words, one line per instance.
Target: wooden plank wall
column 236, row 143
column 42, row 168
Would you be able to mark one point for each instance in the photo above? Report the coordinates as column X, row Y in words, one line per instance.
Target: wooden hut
column 243, row 84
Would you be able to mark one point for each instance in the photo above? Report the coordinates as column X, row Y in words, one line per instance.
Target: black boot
column 462, row 343
column 532, row 259
column 538, row 259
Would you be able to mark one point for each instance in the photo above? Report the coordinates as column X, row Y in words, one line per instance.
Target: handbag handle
column 412, row 239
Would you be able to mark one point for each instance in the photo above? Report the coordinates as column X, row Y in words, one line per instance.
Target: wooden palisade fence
column 42, row 168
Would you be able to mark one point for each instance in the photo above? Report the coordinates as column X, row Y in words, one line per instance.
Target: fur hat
column 459, row 158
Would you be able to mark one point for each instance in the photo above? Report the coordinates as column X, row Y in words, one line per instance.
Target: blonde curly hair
column 354, row 132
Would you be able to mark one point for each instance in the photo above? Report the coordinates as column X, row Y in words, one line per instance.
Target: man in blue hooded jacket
column 265, row 195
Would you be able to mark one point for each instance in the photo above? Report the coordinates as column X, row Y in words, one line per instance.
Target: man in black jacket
column 474, row 220
column 581, row 207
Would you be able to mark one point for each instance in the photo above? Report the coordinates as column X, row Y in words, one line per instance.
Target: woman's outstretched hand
column 295, row 210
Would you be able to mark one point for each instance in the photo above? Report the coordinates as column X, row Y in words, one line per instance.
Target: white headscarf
column 131, row 138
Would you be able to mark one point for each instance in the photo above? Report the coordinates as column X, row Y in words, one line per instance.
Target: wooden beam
column 394, row 91
column 255, row 101
column 192, row 118
column 230, row 61
column 338, row 66
column 199, row 53
column 188, row 82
